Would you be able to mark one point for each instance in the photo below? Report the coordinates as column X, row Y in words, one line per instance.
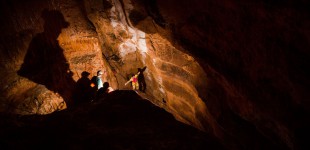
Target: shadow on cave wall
column 45, row 62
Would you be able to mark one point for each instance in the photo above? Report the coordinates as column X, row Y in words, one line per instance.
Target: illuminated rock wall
column 95, row 35
column 173, row 78
column 31, row 69
column 234, row 69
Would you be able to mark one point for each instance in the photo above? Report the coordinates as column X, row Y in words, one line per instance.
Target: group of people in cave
column 94, row 89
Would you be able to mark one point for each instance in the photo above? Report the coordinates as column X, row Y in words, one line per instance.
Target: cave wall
column 61, row 40
column 251, row 72
column 235, row 69
column 45, row 47
column 255, row 55
column 172, row 77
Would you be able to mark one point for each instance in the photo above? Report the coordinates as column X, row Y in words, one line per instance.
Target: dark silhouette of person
column 104, row 91
column 45, row 62
column 141, row 80
column 83, row 91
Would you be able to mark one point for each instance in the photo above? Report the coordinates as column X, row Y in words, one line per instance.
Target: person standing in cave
column 97, row 81
column 83, row 92
column 141, row 80
column 96, row 85
column 134, row 81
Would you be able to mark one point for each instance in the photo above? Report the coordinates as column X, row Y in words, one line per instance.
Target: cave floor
column 121, row 121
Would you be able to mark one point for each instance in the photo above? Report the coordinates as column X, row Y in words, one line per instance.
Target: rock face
column 234, row 69
column 172, row 77
column 48, row 50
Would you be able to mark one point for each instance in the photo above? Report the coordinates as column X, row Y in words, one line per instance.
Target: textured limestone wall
column 255, row 55
column 41, row 59
column 173, row 78
column 235, row 69
column 65, row 39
